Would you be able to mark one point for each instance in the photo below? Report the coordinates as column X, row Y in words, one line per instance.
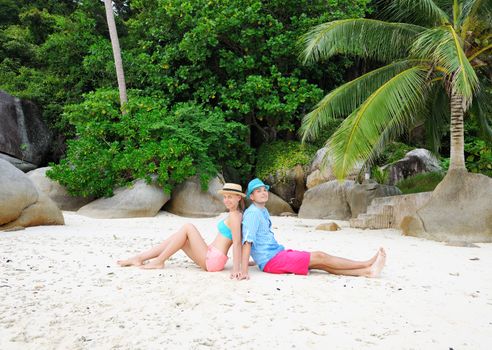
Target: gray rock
column 23, row 134
column 19, row 164
column 43, row 212
column 17, row 192
column 321, row 169
column 21, row 203
column 360, row 196
column 415, row 162
column 277, row 206
column 288, row 185
column 188, row 199
column 327, row 201
column 459, row 210
column 139, row 200
column 56, row 192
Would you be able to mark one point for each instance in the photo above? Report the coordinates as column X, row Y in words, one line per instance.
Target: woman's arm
column 245, row 261
column 235, row 224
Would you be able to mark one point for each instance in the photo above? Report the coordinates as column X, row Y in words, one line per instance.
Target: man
column 260, row 243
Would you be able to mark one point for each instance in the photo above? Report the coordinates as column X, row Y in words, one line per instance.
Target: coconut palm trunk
column 120, row 75
column 457, row 156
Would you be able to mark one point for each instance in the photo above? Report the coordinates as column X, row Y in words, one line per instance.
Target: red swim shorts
column 289, row 261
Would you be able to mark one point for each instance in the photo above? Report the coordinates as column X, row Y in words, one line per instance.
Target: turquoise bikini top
column 224, row 229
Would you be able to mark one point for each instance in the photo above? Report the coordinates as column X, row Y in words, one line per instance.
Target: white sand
column 60, row 288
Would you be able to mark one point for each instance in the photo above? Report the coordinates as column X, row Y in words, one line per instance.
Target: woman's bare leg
column 188, row 239
column 342, row 266
column 139, row 259
column 153, row 252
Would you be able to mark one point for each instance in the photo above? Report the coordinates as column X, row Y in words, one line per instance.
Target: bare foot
column 373, row 259
column 135, row 261
column 378, row 265
column 153, row 265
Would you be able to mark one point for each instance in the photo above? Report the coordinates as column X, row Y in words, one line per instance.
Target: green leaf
column 361, row 37
column 391, row 106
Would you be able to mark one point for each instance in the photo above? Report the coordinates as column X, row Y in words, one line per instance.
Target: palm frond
column 432, row 111
column 343, row 100
column 481, row 110
column 437, row 120
column 368, row 38
column 392, row 105
column 422, row 12
column 473, row 13
column 444, row 48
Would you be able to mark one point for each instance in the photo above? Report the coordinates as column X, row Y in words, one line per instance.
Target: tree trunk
column 116, row 53
column 457, row 156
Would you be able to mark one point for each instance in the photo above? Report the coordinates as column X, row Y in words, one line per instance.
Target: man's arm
column 245, row 261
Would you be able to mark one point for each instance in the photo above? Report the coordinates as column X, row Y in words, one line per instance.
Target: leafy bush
column 281, row 156
column 379, row 174
column 239, row 55
column 478, row 151
column 175, row 143
column 423, row 182
column 393, row 152
column 478, row 157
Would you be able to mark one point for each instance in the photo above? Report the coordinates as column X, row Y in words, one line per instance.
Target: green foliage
column 281, row 156
column 239, row 55
column 173, row 143
column 41, row 58
column 423, row 182
column 478, row 152
column 435, row 53
column 379, row 174
column 393, row 152
column 231, row 58
column 478, row 156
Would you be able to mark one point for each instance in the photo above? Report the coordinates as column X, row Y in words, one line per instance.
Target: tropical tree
column 120, row 75
column 437, row 55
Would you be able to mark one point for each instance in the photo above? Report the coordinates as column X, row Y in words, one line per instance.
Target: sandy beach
column 60, row 288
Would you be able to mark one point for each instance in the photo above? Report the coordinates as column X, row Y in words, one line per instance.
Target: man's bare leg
column 322, row 261
column 372, row 271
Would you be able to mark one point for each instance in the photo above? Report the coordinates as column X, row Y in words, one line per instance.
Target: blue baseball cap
column 254, row 184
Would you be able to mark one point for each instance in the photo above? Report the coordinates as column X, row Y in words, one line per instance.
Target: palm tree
column 436, row 54
column 120, row 75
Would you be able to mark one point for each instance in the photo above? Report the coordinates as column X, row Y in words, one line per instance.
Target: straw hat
column 232, row 189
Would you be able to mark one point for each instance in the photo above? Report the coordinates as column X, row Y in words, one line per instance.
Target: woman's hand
column 235, row 275
column 238, row 275
column 243, row 276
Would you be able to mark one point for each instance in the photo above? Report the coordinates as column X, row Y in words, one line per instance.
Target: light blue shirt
column 257, row 229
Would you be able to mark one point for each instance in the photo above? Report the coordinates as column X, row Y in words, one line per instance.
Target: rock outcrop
column 327, row 201
column 415, row 162
column 21, row 203
column 188, row 199
column 57, row 192
column 23, row 134
column 459, row 210
column 139, row 200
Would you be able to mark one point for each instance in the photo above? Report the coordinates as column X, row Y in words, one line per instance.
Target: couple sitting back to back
column 256, row 239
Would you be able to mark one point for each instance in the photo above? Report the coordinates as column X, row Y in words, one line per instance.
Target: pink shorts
column 289, row 261
column 215, row 259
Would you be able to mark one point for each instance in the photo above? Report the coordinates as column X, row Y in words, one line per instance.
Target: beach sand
column 60, row 288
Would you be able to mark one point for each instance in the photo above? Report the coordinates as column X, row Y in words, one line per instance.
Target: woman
column 210, row 258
